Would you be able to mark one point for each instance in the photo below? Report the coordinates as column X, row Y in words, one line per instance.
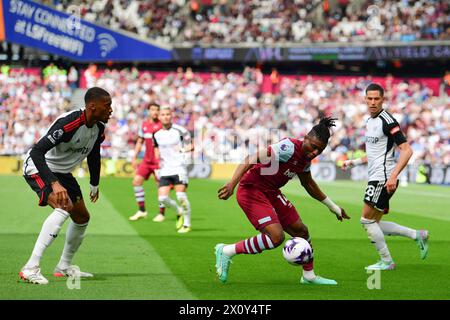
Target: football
column 297, row 251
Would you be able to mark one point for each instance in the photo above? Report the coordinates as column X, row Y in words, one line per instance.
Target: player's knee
column 182, row 197
column 82, row 218
column 68, row 207
column 163, row 199
column 137, row 181
column 277, row 238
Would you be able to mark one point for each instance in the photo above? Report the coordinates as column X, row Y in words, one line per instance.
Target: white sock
column 229, row 250
column 74, row 237
column 183, row 200
column 168, row 202
column 309, row 275
column 376, row 236
column 394, row 229
column 49, row 231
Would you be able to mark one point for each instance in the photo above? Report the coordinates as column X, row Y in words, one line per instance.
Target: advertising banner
column 322, row 171
column 316, row 53
column 34, row 25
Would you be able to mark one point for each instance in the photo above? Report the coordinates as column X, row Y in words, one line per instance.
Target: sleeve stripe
column 38, row 180
column 75, row 123
column 386, row 117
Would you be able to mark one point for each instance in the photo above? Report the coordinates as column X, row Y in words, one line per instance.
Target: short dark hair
column 153, row 103
column 95, row 93
column 322, row 130
column 375, row 87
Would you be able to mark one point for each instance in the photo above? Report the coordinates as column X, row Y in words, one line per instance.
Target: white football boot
column 159, row 218
column 138, row 215
column 71, row 271
column 33, row 275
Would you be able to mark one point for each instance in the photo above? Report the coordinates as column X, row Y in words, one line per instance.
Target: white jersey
column 170, row 143
column 66, row 144
column 382, row 132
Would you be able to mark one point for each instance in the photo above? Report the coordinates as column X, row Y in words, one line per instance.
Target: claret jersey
column 291, row 161
column 146, row 132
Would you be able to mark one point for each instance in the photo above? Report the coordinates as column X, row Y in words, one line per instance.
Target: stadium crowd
column 264, row 21
column 228, row 114
column 29, row 102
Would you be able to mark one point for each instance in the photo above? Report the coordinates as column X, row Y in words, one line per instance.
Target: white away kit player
column 172, row 142
column 47, row 169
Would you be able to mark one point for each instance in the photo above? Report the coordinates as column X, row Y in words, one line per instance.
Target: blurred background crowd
column 268, row 21
column 229, row 114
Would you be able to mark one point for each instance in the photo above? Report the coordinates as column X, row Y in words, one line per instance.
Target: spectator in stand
column 223, row 21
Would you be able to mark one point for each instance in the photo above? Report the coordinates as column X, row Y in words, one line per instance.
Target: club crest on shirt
column 284, row 147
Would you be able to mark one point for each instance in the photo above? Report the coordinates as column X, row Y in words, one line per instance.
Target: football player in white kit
column 71, row 138
column 382, row 134
column 172, row 142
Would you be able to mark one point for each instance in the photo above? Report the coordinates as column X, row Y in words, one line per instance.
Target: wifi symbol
column 107, row 43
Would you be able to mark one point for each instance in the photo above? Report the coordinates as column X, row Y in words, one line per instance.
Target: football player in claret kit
column 149, row 164
column 260, row 178
column 382, row 134
column 172, row 142
column 47, row 168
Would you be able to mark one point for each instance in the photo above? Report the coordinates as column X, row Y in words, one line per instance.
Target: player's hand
column 62, row 197
column 225, row 192
column 391, row 184
column 347, row 164
column 94, row 193
column 343, row 215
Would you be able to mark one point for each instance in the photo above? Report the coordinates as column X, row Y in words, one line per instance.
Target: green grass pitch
column 147, row 260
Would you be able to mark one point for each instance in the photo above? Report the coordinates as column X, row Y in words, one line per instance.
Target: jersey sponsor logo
column 289, row 174
column 372, row 139
column 49, row 137
column 394, row 130
column 148, row 136
column 57, row 134
column 82, row 150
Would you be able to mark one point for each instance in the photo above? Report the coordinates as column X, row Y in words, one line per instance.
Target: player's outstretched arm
column 227, row 190
column 314, row 191
column 348, row 164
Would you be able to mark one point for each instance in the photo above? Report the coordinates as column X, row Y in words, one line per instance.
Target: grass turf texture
column 147, row 260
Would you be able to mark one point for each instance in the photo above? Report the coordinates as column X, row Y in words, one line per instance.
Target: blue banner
column 38, row 26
